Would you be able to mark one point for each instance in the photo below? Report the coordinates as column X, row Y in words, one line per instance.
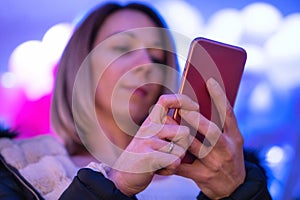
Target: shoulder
column 42, row 160
column 21, row 152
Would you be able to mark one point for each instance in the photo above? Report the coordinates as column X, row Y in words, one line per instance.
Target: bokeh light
column 268, row 102
column 55, row 40
column 181, row 16
column 260, row 20
column 32, row 62
column 8, row 80
column 261, row 98
column 275, row 155
column 225, row 25
column 29, row 63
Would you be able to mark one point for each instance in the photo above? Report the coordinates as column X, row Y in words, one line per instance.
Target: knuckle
column 182, row 96
column 173, row 166
column 229, row 158
column 181, row 152
column 240, row 141
column 213, row 132
column 213, row 127
column 229, row 110
column 207, row 176
column 163, row 99
column 202, row 122
column 185, row 138
column 185, row 131
column 217, row 167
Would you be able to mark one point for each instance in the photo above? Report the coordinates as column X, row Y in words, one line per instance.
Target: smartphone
column 209, row 58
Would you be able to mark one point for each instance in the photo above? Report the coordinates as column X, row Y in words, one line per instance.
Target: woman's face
column 124, row 86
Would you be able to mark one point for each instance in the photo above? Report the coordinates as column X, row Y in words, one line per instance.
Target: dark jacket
column 90, row 185
column 13, row 186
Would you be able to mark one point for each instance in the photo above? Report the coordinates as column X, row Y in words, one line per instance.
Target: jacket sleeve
column 92, row 185
column 13, row 186
column 254, row 187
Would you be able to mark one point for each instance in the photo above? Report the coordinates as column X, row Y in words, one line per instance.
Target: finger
column 177, row 101
column 196, row 169
column 170, row 120
column 178, row 134
column 164, row 160
column 169, row 132
column 170, row 169
column 219, row 98
column 168, row 147
column 141, row 162
column 200, row 150
column 210, row 131
column 158, row 113
column 223, row 106
column 186, row 170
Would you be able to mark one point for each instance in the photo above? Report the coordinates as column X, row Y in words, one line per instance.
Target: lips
column 142, row 91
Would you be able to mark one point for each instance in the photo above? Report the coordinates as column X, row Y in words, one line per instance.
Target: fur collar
column 42, row 161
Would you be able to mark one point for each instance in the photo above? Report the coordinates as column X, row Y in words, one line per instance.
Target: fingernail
column 212, row 82
column 195, row 104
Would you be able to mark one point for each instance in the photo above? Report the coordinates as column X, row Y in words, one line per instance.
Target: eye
column 121, row 49
column 157, row 60
column 157, row 56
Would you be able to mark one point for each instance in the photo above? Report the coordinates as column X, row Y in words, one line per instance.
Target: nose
column 143, row 62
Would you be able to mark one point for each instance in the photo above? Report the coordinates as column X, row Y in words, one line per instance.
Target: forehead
column 125, row 20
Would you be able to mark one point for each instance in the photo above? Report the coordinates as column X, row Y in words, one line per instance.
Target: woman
column 110, row 106
column 122, row 95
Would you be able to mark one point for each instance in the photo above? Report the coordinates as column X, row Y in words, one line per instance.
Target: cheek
column 158, row 74
column 158, row 77
column 105, row 87
column 105, row 72
column 157, row 91
column 103, row 69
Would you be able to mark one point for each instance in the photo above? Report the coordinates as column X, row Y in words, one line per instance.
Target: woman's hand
column 220, row 168
column 157, row 147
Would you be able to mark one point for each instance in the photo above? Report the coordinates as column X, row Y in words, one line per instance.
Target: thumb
column 185, row 170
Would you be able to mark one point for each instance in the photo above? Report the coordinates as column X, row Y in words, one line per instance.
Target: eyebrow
column 132, row 35
column 122, row 32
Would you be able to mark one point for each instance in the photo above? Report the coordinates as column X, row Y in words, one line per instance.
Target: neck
column 83, row 159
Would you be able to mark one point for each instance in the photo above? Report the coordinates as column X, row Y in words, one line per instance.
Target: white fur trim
column 42, row 161
column 99, row 167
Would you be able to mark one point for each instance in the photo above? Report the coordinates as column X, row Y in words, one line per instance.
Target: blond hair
column 77, row 49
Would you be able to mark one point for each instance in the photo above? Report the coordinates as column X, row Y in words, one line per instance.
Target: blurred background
column 33, row 34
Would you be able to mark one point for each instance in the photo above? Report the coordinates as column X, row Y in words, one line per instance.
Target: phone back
column 208, row 58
